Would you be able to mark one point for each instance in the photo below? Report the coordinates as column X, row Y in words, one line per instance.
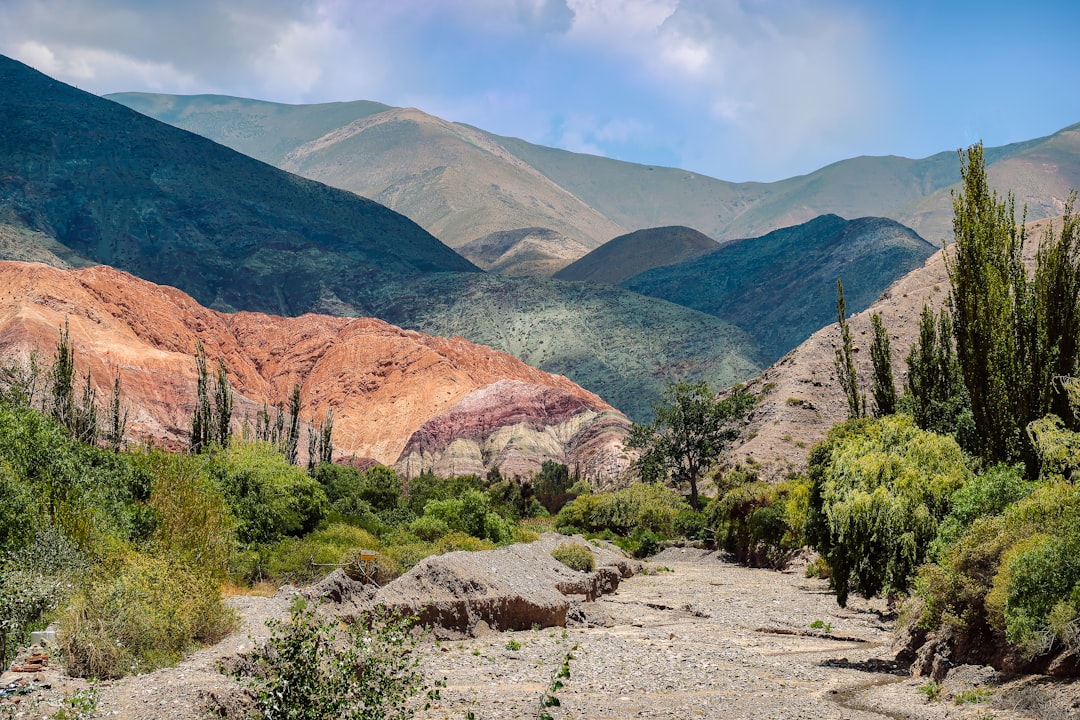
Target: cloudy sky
column 735, row 89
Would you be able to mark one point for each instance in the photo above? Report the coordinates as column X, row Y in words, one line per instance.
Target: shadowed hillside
column 115, row 187
column 636, row 252
column 781, row 287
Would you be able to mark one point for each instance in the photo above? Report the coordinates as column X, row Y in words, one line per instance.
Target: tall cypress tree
column 1013, row 335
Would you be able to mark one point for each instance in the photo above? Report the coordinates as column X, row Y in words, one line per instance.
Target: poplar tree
column 1013, row 334
column 881, row 356
column 844, row 359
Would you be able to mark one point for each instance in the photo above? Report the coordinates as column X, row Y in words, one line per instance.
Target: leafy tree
column 879, row 490
column 1013, row 334
column 292, row 440
column 688, row 433
column 844, row 359
column 881, row 356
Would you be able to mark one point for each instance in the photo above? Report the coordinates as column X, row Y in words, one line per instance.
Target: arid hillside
column 802, row 398
column 468, row 406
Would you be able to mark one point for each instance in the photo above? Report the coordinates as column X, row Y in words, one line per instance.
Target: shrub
column 1017, row 573
column 575, row 557
column 407, row 555
column 462, row 541
column 429, row 528
column 470, row 514
column 761, row 523
column 268, row 497
column 880, row 489
column 134, row 613
column 639, row 507
column 291, row 559
column 308, row 671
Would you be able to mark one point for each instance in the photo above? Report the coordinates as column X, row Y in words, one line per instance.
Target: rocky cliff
column 398, row 396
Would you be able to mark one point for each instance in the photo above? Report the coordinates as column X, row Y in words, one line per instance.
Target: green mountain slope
column 452, row 179
column 634, row 253
column 117, row 188
column 621, row 345
column 781, row 287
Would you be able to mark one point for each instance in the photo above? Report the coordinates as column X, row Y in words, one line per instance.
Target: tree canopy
column 690, row 429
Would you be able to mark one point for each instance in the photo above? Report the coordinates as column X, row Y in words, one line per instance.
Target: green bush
column 307, row 671
column 761, row 523
column 575, row 557
column 641, row 506
column 429, row 528
column 134, row 613
column 462, row 541
column 1017, row 573
column 303, row 560
column 470, row 514
column 880, row 489
column 268, row 497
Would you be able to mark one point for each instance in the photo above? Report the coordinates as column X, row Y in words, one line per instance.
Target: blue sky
column 739, row 90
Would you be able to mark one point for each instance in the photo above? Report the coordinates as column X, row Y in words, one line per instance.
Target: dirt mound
column 472, row 593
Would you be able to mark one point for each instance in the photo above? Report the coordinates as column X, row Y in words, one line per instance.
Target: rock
column 511, row 588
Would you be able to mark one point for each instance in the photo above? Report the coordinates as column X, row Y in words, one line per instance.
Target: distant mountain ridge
column 781, row 287
column 613, row 196
column 84, row 180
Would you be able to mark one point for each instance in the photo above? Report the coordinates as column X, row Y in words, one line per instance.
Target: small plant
column 972, row 697
column 932, row 691
column 513, row 644
column 550, row 699
column 306, row 672
column 795, row 402
column 79, row 705
column 821, row 625
column 476, row 652
column 575, row 557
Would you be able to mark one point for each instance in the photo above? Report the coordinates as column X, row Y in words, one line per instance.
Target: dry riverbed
column 695, row 637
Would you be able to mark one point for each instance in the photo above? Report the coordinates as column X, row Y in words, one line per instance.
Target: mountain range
column 431, row 170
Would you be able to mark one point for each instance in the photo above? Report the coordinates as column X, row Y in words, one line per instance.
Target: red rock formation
column 386, row 385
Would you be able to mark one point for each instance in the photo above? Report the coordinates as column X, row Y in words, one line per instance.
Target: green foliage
column 761, row 523
column 210, row 423
column 297, row 560
column 427, row 486
column 79, row 418
column 471, row 514
column 641, row 506
column 821, row 625
column 985, row 495
column 881, row 356
column 880, row 489
column 689, row 431
column 936, row 397
column 575, row 557
column 292, row 439
column 133, row 613
column 932, row 691
column 1017, row 573
column 1014, row 335
column 690, row 524
column 269, row 497
column 844, row 360
column 310, row 670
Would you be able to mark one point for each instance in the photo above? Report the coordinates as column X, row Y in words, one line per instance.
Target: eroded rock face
column 384, row 384
column 511, row 588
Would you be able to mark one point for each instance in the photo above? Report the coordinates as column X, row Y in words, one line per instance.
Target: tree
column 116, row 423
column 1013, row 334
column 844, row 359
column 211, row 422
column 690, row 429
column 292, row 440
column 223, row 406
column 936, row 397
column 881, row 356
column 879, row 490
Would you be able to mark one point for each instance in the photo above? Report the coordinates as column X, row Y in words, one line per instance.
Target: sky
column 734, row 89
